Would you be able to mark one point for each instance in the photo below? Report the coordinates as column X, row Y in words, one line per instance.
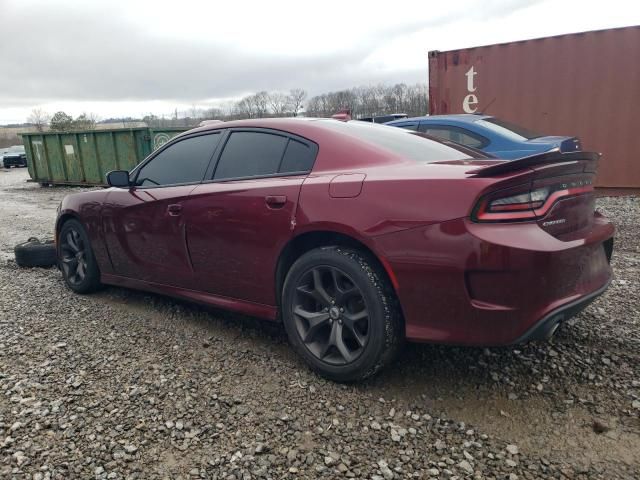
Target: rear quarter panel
column 393, row 198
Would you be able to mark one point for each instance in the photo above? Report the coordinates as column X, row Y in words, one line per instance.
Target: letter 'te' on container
column 583, row 84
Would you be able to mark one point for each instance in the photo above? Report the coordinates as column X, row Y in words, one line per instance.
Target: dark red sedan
column 357, row 236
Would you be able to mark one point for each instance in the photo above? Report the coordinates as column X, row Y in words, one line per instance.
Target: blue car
column 489, row 134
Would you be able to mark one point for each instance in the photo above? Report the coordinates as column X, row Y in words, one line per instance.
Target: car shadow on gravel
column 199, row 316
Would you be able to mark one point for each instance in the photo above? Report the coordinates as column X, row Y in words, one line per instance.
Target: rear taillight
column 513, row 206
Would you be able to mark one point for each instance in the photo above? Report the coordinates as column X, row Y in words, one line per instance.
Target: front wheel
column 340, row 314
column 75, row 257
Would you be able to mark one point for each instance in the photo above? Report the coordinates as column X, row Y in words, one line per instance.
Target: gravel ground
column 123, row 384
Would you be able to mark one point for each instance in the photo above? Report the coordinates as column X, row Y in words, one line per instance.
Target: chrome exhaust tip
column 552, row 331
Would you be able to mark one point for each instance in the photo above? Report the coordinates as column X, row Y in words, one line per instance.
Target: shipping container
column 584, row 84
column 85, row 157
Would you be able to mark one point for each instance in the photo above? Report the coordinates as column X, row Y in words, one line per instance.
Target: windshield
column 400, row 142
column 508, row 129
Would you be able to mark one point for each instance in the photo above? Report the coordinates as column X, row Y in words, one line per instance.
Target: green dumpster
column 160, row 136
column 85, row 157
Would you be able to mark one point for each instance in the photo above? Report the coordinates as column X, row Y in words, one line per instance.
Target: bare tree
column 245, row 108
column 296, row 98
column 260, row 103
column 313, row 107
column 195, row 112
column 213, row 113
column 39, row 119
column 279, row 103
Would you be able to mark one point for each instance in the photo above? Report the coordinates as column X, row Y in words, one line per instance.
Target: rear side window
column 254, row 154
column 298, row 157
column 398, row 141
column 250, row 154
column 508, row 129
column 406, row 126
column 457, row 135
column 183, row 162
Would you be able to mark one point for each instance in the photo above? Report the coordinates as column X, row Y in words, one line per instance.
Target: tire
column 76, row 259
column 34, row 253
column 341, row 315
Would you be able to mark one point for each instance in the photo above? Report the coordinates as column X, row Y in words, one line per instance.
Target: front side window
column 250, row 154
column 183, row 162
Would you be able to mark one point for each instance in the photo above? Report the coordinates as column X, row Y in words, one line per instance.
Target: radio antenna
column 484, row 110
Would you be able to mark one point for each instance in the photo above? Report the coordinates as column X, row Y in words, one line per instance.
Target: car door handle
column 174, row 209
column 275, row 201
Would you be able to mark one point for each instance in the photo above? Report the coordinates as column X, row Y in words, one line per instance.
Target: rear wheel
column 340, row 314
column 75, row 256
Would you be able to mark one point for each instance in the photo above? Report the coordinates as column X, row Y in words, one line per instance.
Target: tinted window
column 248, row 154
column 298, row 157
column 384, row 119
column 406, row 126
column 389, row 118
column 182, row 162
column 507, row 129
column 398, row 141
column 457, row 135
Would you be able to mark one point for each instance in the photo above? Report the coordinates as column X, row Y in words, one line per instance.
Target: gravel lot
column 123, row 384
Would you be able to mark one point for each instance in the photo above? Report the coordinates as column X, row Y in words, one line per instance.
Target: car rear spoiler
column 551, row 157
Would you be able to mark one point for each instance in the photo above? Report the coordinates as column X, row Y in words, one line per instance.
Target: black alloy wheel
column 341, row 314
column 75, row 258
column 331, row 315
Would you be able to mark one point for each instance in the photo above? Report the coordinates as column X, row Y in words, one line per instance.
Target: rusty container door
column 585, row 84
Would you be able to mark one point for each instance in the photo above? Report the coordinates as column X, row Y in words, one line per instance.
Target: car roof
column 458, row 117
column 302, row 126
column 281, row 122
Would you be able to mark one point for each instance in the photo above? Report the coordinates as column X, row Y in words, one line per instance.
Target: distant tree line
column 371, row 101
column 363, row 101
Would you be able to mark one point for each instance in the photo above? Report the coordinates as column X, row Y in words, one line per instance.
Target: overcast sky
column 130, row 58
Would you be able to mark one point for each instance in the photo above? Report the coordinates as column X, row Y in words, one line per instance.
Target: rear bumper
column 545, row 328
column 465, row 283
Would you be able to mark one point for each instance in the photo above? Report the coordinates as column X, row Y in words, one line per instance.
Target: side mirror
column 118, row 178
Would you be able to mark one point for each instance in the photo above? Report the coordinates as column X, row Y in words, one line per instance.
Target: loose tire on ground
column 34, row 253
column 340, row 313
column 76, row 260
